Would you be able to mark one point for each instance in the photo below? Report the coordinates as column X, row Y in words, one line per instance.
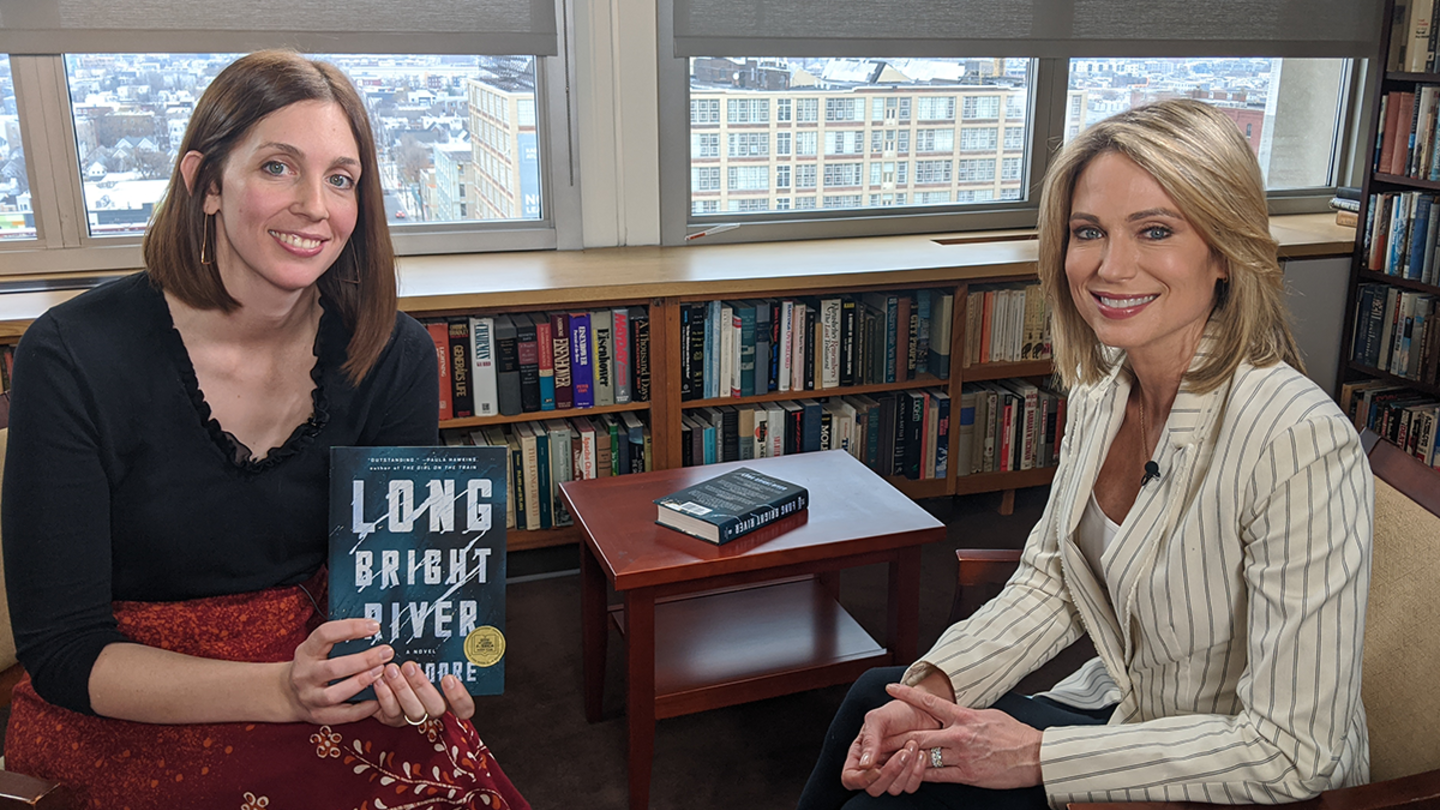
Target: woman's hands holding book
column 319, row 686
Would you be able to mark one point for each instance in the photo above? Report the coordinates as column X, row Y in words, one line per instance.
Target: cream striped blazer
column 1230, row 620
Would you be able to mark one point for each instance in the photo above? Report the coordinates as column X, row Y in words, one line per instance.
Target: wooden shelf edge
column 996, row 481
column 540, row 416
column 1371, row 276
column 926, row 381
column 1371, row 371
column 517, row 540
column 1001, row 371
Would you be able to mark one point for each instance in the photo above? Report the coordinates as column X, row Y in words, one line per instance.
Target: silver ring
column 935, row 758
column 426, row 718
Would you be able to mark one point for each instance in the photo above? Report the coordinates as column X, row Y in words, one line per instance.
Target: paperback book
column 417, row 543
column 730, row 505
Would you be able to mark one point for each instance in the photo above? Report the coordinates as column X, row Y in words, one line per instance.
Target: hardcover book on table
column 730, row 505
column 417, row 543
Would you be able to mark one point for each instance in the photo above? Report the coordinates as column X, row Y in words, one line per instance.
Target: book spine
column 462, row 401
column 482, row 366
column 761, row 381
column 924, row 309
column 848, row 336
column 580, row 369
column 624, row 361
column 894, row 360
column 507, row 359
column 942, row 434
column 747, row 349
column 830, row 330
column 560, row 354
column 602, row 357
column 786, row 342
column 699, row 339
column 545, row 351
column 640, row 339
column 763, row 516
column 440, row 336
column 529, row 353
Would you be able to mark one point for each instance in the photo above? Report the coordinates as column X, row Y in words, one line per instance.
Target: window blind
column 495, row 27
column 1028, row 28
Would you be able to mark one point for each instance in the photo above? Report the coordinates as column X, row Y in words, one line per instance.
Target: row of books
column 1395, row 331
column 743, row 348
column 1401, row 231
column 903, row 433
column 1006, row 323
column 531, row 362
column 543, row 454
column 1403, row 416
column 1009, row 425
column 1406, row 139
column 1412, row 37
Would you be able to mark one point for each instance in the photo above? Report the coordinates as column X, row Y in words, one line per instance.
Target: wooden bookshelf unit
column 663, row 279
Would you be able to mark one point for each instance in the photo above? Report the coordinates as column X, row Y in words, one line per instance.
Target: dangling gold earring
column 205, row 259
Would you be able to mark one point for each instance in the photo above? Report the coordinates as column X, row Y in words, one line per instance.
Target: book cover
column 417, row 543
column 730, row 505
column 482, row 367
column 462, row 400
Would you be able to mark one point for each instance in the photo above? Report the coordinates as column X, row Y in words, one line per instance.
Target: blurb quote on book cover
column 415, row 544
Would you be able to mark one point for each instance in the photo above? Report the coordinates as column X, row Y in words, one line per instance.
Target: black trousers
column 824, row 792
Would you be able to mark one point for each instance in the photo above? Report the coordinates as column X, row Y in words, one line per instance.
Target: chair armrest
column 979, row 576
column 1419, row 790
column 20, row 791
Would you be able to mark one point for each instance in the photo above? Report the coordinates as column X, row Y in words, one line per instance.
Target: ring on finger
column 935, row 761
column 424, row 719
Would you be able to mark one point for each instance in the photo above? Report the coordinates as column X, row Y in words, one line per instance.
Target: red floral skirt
column 247, row 766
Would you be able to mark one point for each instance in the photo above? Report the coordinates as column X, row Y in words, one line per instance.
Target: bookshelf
column 1389, row 352
column 662, row 279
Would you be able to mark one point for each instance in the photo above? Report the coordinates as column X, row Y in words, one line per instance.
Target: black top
column 119, row 485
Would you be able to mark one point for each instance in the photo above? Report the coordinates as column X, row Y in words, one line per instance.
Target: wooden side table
column 710, row 626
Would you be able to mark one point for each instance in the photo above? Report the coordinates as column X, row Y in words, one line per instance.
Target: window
column 782, row 143
column 842, row 174
column 748, row 144
column 842, row 201
column 437, row 121
column 1014, row 107
column 1247, row 90
column 903, row 145
column 747, row 110
column 981, row 139
column 807, row 110
column 704, row 111
column 980, row 107
column 935, row 140
column 935, row 108
column 844, row 109
column 932, row 197
column 782, row 176
column 747, row 206
column 934, row 171
column 748, row 178
column 704, row 144
column 1010, row 169
column 1014, row 138
column 706, row 207
column 782, row 203
column 1009, row 193
column 805, row 176
column 705, row 178
column 805, row 202
column 17, row 220
column 805, row 143
column 782, row 109
column 977, row 171
column 848, row 142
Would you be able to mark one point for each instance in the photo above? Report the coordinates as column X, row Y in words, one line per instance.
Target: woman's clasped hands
column 921, row 737
column 319, row 686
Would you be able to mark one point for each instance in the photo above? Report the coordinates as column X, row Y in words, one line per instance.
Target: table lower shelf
column 722, row 648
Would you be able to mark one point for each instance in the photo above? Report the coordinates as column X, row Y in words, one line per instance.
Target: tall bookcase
column 1386, row 348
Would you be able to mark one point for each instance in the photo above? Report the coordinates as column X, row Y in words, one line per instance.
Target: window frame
column 1045, row 121
column 64, row 245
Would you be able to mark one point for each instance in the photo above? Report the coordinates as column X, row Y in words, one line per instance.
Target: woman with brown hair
column 1208, row 525
column 167, row 477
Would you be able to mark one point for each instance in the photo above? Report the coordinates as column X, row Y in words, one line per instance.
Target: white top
column 1094, row 535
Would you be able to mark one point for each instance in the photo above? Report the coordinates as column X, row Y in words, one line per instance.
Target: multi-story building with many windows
column 884, row 140
column 503, row 148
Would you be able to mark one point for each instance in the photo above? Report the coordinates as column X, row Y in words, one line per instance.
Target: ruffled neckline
column 235, row 451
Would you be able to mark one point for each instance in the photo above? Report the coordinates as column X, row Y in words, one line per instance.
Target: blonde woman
column 1208, row 526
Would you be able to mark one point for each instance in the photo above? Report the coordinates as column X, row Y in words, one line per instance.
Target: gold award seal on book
column 485, row 646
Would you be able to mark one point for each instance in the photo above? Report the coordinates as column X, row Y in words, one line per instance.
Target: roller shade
column 1039, row 28
column 312, row 26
